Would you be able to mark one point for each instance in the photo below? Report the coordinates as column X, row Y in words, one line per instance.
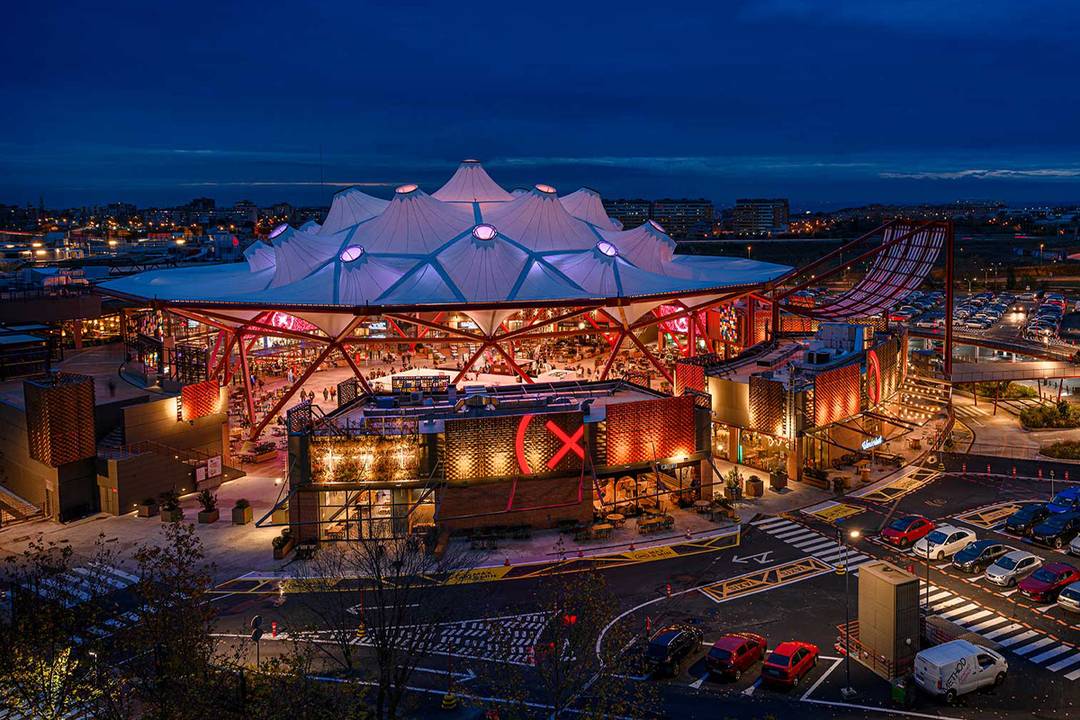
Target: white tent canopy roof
column 471, row 242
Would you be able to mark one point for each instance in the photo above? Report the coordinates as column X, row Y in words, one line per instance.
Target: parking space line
column 821, row 679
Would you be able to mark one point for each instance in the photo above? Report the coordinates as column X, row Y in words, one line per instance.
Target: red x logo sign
column 570, row 442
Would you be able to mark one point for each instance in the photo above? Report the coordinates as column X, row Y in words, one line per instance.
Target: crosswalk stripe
column 769, row 521
column 814, row 545
column 957, row 611
column 939, row 596
column 829, row 556
column 1010, row 641
column 117, row 572
column 788, row 535
column 947, row 604
column 104, row 577
column 1031, row 647
column 1073, row 675
column 1051, row 653
column 1062, row 664
column 1010, row 628
column 973, row 618
column 996, row 620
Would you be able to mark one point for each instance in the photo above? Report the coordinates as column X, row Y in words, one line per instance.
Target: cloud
column 691, row 164
column 986, row 174
column 295, row 183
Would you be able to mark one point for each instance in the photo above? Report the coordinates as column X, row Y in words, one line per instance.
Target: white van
column 958, row 667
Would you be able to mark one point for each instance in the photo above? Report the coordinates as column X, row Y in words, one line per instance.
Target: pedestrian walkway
column 1013, row 637
column 818, row 545
column 82, row 584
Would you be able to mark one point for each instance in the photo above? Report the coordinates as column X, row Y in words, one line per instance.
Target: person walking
column 325, row 395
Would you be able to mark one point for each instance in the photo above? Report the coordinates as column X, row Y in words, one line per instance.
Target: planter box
column 281, row 551
column 754, row 487
column 732, row 493
column 777, row 482
column 148, row 511
column 280, row 516
column 265, row 457
column 172, row 515
column 241, row 516
column 210, row 516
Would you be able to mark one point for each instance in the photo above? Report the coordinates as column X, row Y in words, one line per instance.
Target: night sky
column 828, row 102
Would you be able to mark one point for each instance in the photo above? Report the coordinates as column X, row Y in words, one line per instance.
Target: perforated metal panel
column 649, row 430
column 60, row 418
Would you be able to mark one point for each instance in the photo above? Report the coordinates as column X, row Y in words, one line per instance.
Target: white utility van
column 958, row 667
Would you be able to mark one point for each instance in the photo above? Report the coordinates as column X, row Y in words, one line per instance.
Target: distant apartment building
column 682, row 218
column 760, row 216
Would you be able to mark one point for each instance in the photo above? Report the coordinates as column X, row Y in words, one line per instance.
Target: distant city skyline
column 828, row 103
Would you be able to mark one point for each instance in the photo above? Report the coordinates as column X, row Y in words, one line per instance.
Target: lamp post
column 847, row 691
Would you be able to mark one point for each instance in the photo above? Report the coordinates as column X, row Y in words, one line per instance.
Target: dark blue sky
column 824, row 101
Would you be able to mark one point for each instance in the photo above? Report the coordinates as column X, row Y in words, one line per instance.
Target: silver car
column 1013, row 566
column 1074, row 546
column 1069, row 598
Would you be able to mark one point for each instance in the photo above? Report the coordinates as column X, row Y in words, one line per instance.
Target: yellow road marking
column 837, row 512
column 769, row 577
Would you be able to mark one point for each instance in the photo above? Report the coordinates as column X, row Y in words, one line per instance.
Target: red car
column 788, row 663
column 734, row 654
column 904, row 531
column 1045, row 583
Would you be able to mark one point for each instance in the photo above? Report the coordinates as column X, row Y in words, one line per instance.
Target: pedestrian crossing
column 1039, row 648
column 1013, row 637
column 813, row 543
column 82, row 584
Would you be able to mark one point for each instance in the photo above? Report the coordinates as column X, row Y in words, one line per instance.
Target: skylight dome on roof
column 405, row 189
column 278, row 230
column 607, row 249
column 351, row 253
column 546, row 189
column 485, row 232
column 656, row 225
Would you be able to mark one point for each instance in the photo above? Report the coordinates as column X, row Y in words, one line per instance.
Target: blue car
column 1065, row 501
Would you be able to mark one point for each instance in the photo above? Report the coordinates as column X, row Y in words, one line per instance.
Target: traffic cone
column 360, row 631
column 449, row 701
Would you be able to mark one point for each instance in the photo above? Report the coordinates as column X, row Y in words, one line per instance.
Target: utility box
column 888, row 617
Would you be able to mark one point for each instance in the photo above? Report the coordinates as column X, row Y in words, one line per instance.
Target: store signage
column 213, row 466
column 873, row 377
column 570, row 443
column 873, row 442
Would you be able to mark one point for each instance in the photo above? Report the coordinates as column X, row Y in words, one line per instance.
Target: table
column 648, row 525
column 615, row 519
column 702, row 506
column 602, row 530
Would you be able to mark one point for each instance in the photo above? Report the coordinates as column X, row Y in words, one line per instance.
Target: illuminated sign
column 569, row 443
column 873, row 442
column 873, row 378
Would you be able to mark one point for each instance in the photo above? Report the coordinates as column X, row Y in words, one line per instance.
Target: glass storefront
column 372, row 513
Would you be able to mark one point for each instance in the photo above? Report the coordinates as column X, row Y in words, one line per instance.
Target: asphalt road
column 779, row 582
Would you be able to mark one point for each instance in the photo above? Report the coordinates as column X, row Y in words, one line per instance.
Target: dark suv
column 669, row 646
column 1057, row 530
column 1027, row 517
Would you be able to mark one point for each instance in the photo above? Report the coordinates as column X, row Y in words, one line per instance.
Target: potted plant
column 283, row 544
column 209, row 512
column 778, row 478
column 170, row 507
column 148, row 508
column 731, row 485
column 241, row 512
column 264, row 451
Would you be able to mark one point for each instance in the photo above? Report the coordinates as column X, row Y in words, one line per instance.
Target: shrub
column 242, row 503
column 208, row 501
column 170, row 500
column 1065, row 449
column 1061, row 415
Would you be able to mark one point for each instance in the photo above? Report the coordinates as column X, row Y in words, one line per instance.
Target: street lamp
column 847, row 692
column 748, row 252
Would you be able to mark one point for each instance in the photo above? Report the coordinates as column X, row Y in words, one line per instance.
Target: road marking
column 1062, row 664
column 973, row 618
column 871, row 708
column 957, row 611
column 750, row 690
column 1032, row 647
column 822, row 678
column 1051, row 653
column 1009, row 642
column 1010, row 628
column 1073, row 675
column 996, row 620
column 764, row 579
column 700, row 681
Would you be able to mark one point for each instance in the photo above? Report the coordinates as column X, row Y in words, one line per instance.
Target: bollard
column 963, row 468
column 988, row 468
column 1040, row 474
column 667, row 590
column 506, row 562
column 1014, row 471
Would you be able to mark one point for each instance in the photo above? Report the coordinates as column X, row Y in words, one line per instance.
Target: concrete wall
column 143, row 476
column 51, row 309
column 156, row 420
column 730, row 401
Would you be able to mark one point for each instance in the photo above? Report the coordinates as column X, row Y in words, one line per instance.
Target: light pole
column 748, row 252
column 847, row 691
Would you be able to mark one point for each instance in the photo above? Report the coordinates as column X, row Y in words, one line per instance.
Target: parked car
column 978, row 555
column 1008, row 569
column 735, row 653
column 1066, row 500
column 958, row 667
column 1023, row 520
column 670, row 645
column 1069, row 597
column 905, row 530
column 789, row 663
column 944, row 541
column 1057, row 530
column 1074, row 546
column 1045, row 583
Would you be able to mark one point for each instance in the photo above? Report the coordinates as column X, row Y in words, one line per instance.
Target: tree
column 172, row 649
column 53, row 649
column 583, row 660
column 391, row 592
